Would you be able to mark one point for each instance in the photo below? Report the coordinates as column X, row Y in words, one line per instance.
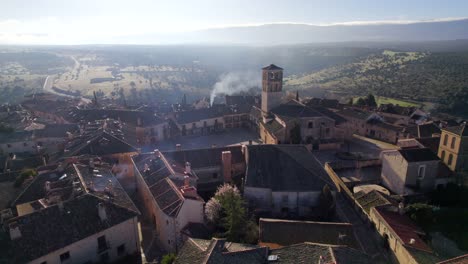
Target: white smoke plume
column 235, row 82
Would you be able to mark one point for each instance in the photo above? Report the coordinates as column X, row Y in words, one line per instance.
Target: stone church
column 290, row 122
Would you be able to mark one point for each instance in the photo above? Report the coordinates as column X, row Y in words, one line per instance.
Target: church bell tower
column 272, row 87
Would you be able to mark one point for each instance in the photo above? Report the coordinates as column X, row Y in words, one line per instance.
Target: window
column 445, row 140
column 102, row 243
column 442, row 155
column 8, row 146
column 121, row 250
column 421, row 172
column 285, row 198
column 452, row 145
column 167, row 222
column 65, row 256
column 25, row 144
column 450, row 158
column 310, row 125
column 215, row 175
column 169, row 242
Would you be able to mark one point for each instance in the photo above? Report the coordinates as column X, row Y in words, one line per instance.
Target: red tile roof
column 404, row 228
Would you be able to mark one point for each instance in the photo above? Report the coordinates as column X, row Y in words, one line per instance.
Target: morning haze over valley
column 234, row 132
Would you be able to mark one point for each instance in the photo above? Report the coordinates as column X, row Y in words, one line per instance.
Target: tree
column 168, row 258
column 370, row 100
column 360, row 102
column 227, row 212
column 326, row 204
column 421, row 213
column 296, row 134
column 25, row 174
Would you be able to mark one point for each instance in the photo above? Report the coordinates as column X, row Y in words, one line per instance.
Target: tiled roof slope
column 167, row 196
column 458, row 130
column 272, row 67
column 404, row 228
column 306, row 253
column 418, row 154
column 286, row 232
column 284, row 168
column 99, row 143
column 53, row 228
column 219, row 251
column 371, row 199
column 202, row 158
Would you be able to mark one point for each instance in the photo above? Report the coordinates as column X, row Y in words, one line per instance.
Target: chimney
column 139, row 121
column 401, row 208
column 60, row 205
column 226, row 158
column 178, row 147
column 47, row 186
column 186, row 181
column 102, row 212
column 157, row 153
column 250, row 142
column 188, row 168
column 15, row 232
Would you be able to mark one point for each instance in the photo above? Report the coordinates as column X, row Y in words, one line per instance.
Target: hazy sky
column 100, row 21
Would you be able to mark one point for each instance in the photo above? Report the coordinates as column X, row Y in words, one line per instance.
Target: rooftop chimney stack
column 188, row 168
column 178, row 147
column 226, row 158
column 157, row 153
column 102, row 212
column 47, row 186
column 15, row 232
column 186, row 181
column 401, row 208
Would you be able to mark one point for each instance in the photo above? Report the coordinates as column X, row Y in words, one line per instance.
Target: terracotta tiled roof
column 403, row 228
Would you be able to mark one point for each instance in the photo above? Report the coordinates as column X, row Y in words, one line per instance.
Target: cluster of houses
column 99, row 177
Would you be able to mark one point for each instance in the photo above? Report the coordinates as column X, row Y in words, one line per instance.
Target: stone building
column 453, row 149
column 169, row 198
column 412, row 170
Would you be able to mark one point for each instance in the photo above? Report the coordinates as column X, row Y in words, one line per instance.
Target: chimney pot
column 178, row 147
column 226, row 158
column 15, row 232
column 47, row 186
column 102, row 212
column 186, row 181
column 188, row 167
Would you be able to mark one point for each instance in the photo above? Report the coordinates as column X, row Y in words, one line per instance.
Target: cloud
column 108, row 29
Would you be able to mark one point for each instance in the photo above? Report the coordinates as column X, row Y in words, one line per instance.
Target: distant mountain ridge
column 280, row 34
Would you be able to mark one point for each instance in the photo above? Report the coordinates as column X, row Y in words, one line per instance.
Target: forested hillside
column 421, row 76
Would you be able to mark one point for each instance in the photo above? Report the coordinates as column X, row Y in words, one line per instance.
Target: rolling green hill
column 420, row 76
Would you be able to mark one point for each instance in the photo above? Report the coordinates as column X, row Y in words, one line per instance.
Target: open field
column 386, row 100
